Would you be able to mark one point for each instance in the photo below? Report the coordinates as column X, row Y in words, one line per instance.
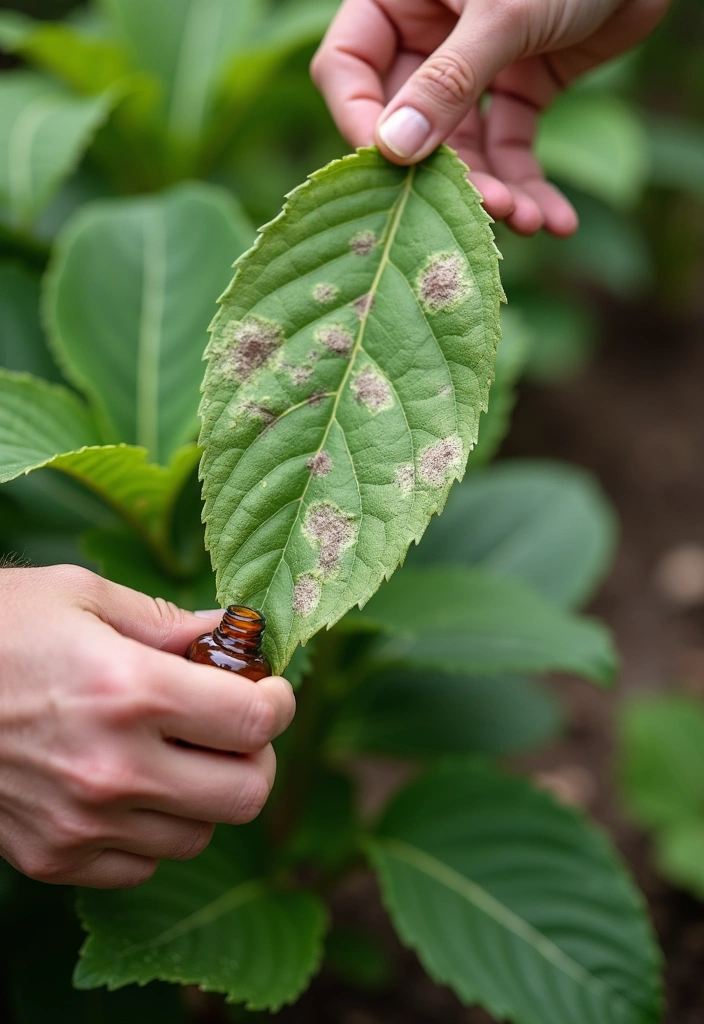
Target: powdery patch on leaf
column 405, row 478
column 251, row 343
column 363, row 242
column 330, row 529
column 320, row 464
column 299, row 375
column 325, row 292
column 363, row 305
column 336, row 338
column 254, row 410
column 306, row 594
column 435, row 461
column 443, row 282
column 445, row 390
column 372, row 389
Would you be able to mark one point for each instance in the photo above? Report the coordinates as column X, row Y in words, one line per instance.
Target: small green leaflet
column 348, row 368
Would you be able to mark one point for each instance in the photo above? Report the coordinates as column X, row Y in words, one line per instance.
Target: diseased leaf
column 408, row 713
column 348, row 368
column 214, row 922
column 544, row 523
column 129, row 293
column 44, row 131
column 515, row 902
column 468, row 621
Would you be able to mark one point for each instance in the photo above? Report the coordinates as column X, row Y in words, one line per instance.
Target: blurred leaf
column 544, row 523
column 216, row 922
column 428, row 714
column 676, row 154
column 563, row 332
column 359, row 959
column 468, row 621
column 348, row 367
column 515, row 902
column 679, row 852
column 596, row 143
column 44, row 131
column 300, row 664
column 510, row 358
column 22, row 344
column 327, row 829
column 131, row 290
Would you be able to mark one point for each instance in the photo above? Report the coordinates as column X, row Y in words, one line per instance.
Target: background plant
column 128, row 289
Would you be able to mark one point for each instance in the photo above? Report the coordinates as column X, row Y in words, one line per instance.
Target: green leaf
column 515, row 902
column 510, row 358
column 662, row 760
column 428, row 714
column 676, row 154
column 22, row 345
column 596, row 143
column 468, row 621
column 564, row 334
column 130, row 292
column 214, row 922
column 348, row 368
column 546, row 524
column 326, row 832
column 44, row 131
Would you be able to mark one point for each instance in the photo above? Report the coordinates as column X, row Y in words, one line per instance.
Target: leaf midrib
column 150, row 334
column 474, row 894
column 20, row 144
column 189, row 91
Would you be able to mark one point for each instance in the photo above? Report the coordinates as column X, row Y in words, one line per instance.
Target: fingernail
column 405, row 132
column 208, row 613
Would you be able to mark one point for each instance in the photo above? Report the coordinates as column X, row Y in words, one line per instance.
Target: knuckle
column 99, row 781
column 124, row 695
column 259, row 722
column 449, row 78
column 252, row 796
column 137, row 874
column 78, row 579
column 193, row 844
column 168, row 617
column 43, row 865
column 70, row 831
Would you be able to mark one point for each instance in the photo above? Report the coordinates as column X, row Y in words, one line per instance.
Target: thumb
column 439, row 95
column 151, row 620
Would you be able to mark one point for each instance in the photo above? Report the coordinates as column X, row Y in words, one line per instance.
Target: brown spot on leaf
column 317, row 397
column 435, row 461
column 329, row 528
column 372, row 389
column 443, row 282
column 306, row 594
column 363, row 305
column 445, row 390
column 405, row 478
column 255, row 340
column 253, row 409
column 320, row 464
column 363, row 242
column 325, row 292
column 336, row 338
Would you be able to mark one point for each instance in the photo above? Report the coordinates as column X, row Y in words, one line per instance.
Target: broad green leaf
column 469, row 621
column 546, row 524
column 662, row 760
column 22, row 344
column 348, row 368
column 326, row 832
column 44, row 131
column 214, row 922
column 130, row 292
column 676, row 154
column 515, row 902
column 596, row 143
column 564, row 334
column 510, row 358
column 86, row 62
column 428, row 714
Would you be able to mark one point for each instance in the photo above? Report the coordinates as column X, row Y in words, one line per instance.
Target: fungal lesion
column 299, row 375
column 364, row 242
column 245, row 345
column 320, row 464
column 405, row 478
column 336, row 338
column 330, row 530
column 445, row 390
column 363, row 305
column 444, row 281
column 437, row 460
column 307, row 592
column 371, row 389
column 325, row 292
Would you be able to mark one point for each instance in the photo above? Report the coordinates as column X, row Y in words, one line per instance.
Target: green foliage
column 348, row 368
column 515, row 903
column 22, row 345
column 662, row 778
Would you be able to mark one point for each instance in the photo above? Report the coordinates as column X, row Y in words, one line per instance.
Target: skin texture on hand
column 409, row 74
column 93, row 692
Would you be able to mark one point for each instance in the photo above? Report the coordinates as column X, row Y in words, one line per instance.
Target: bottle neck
column 241, row 630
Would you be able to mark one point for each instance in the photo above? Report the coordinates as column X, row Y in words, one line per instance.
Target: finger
column 207, row 786
column 559, row 215
column 435, row 99
column 222, row 711
column 160, row 836
column 497, row 198
column 349, row 67
column 468, row 140
column 527, row 217
column 113, row 869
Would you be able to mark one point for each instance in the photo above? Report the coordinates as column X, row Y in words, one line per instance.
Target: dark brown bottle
column 235, row 645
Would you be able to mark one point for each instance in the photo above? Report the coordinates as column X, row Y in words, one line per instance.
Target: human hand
column 409, row 74
column 92, row 692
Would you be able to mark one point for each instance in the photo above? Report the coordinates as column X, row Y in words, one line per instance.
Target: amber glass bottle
column 235, row 645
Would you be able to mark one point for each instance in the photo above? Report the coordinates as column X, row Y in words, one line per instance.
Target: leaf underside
column 347, row 371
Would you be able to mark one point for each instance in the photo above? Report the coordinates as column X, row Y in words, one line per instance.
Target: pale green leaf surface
column 596, row 143
column 212, row 922
column 470, row 621
column 44, row 131
column 546, row 524
column 332, row 432
column 130, row 292
column 515, row 902
column 429, row 714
